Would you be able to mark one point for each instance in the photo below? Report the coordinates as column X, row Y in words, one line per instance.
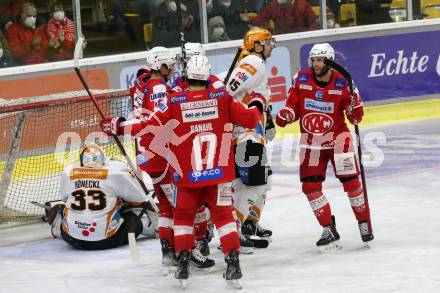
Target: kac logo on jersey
column 317, row 123
column 319, row 95
column 303, row 77
column 204, row 175
column 179, row 99
column 217, row 94
column 340, row 83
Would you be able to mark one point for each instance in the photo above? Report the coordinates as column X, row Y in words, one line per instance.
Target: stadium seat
column 346, row 12
column 148, row 33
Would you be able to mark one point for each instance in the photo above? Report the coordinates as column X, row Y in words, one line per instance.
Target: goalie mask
column 92, row 156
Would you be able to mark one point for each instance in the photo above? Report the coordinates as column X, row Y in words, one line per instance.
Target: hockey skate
column 199, row 261
column 168, row 257
column 251, row 228
column 203, row 246
column 329, row 238
column 246, row 244
column 233, row 274
column 182, row 272
column 366, row 235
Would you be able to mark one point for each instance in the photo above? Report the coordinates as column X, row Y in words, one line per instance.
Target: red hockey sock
column 357, row 199
column 200, row 224
column 320, row 206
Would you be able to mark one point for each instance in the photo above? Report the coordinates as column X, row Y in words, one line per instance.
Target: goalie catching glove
column 285, row 116
column 112, row 126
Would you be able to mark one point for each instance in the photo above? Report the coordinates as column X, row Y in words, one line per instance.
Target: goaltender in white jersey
column 102, row 200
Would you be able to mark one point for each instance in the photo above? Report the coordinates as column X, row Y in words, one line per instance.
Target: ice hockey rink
column 405, row 255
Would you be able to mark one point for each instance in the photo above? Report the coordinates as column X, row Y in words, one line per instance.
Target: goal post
column 40, row 136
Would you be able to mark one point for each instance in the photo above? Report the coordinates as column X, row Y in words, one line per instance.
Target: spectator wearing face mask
column 216, row 30
column 290, row 16
column 61, row 34
column 28, row 42
column 6, row 59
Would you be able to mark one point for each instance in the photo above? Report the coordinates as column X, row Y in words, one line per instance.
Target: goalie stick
column 347, row 76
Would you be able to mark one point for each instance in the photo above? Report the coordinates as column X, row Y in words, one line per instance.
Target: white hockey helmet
column 159, row 56
column 92, row 156
column 198, row 68
column 194, row 49
column 322, row 50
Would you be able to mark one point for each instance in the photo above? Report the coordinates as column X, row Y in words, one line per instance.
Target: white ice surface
column 405, row 256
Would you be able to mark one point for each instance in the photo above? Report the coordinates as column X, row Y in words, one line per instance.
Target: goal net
column 42, row 135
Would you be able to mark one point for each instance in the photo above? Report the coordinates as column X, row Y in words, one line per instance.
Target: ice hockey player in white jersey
column 247, row 81
column 102, row 202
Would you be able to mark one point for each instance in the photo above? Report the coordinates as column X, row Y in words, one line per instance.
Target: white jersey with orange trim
column 249, row 76
column 94, row 197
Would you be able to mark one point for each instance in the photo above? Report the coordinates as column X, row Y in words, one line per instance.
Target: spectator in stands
column 373, row 11
column 61, row 34
column 166, row 29
column 230, row 11
column 28, row 42
column 10, row 12
column 216, row 30
column 6, row 59
column 331, row 19
column 290, row 16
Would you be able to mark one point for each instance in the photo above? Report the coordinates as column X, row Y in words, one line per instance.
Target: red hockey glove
column 258, row 101
column 285, row 116
column 112, row 126
column 355, row 113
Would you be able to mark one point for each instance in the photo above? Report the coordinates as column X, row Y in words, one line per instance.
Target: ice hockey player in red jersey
column 318, row 98
column 149, row 90
column 204, row 169
column 147, row 94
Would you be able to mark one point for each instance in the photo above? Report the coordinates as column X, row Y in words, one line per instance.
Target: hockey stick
column 347, row 76
column 182, row 39
column 78, row 47
column 231, row 68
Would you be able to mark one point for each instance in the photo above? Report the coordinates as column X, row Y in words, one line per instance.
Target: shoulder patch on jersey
column 218, row 84
column 340, row 83
column 217, row 94
column 303, row 77
column 249, row 68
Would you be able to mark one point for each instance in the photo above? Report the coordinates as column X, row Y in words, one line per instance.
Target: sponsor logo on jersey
column 217, row 94
column 205, row 175
column 325, row 107
column 179, row 99
column 156, row 96
column 161, row 105
column 319, row 95
column 242, row 76
column 303, row 77
column 317, row 123
column 201, row 127
column 198, row 104
column 306, row 87
column 200, row 114
column 340, row 83
column 334, row 92
column 81, row 173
